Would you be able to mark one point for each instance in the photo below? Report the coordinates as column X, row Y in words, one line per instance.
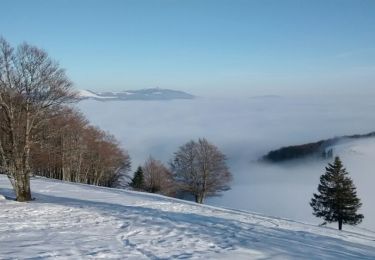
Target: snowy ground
column 73, row 221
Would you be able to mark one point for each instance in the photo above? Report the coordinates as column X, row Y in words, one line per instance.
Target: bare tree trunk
column 23, row 177
column 22, row 185
column 199, row 198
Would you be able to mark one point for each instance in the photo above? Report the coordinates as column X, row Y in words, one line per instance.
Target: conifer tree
column 138, row 179
column 337, row 199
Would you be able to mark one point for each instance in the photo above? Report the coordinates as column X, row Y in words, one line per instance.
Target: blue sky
column 204, row 46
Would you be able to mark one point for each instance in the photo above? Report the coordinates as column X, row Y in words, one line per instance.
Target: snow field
column 69, row 221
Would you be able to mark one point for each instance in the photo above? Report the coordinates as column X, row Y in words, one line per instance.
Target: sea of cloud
column 245, row 129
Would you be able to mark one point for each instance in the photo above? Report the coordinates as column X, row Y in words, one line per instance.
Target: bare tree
column 157, row 178
column 104, row 159
column 31, row 85
column 200, row 169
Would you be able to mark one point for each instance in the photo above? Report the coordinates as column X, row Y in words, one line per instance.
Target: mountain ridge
column 142, row 94
column 322, row 148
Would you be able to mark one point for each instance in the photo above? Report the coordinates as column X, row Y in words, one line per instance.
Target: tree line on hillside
column 70, row 149
column 40, row 134
column 320, row 149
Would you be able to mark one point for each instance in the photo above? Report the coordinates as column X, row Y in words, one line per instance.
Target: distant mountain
column 143, row 94
column 266, row 97
column 322, row 149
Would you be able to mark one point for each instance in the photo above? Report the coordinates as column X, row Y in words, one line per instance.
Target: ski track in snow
column 75, row 221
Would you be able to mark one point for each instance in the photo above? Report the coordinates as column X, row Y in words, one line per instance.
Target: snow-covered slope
column 88, row 94
column 143, row 94
column 73, row 221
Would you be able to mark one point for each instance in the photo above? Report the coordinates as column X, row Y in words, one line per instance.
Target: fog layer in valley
column 245, row 129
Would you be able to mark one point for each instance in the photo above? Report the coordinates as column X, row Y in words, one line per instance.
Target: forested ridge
column 319, row 149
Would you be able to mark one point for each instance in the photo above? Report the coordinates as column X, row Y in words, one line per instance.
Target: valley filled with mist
column 245, row 129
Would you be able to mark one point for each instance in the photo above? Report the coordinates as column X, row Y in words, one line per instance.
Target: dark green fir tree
column 138, row 179
column 336, row 200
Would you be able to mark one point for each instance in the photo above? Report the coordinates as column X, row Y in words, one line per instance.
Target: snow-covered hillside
column 143, row 94
column 78, row 221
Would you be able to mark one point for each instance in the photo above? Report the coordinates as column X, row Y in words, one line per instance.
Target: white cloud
column 245, row 129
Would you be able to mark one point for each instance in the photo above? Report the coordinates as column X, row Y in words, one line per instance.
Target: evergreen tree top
column 138, row 179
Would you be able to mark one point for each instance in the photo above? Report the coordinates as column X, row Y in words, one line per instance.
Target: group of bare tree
column 69, row 149
column 198, row 169
column 39, row 135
